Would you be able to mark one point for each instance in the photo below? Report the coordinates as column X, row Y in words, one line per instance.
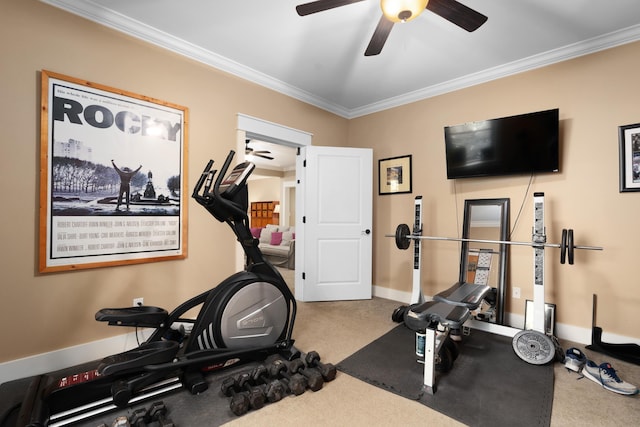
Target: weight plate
column 402, row 239
column 444, row 361
column 563, row 246
column 398, row 314
column 570, row 246
column 452, row 346
column 534, row 347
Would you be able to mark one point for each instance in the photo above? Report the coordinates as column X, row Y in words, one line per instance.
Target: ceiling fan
column 403, row 11
column 257, row 153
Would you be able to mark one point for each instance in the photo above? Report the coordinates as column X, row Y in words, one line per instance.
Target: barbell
column 567, row 247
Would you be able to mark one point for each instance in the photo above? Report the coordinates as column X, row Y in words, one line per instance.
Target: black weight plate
column 398, row 314
column 402, row 239
column 570, row 246
column 444, row 362
column 563, row 246
column 452, row 346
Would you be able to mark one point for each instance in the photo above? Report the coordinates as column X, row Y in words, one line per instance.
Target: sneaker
column 574, row 359
column 606, row 376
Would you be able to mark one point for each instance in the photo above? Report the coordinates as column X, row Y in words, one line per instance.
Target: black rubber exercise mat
column 489, row 384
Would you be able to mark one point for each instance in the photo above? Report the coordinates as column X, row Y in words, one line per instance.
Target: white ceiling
column 320, row 58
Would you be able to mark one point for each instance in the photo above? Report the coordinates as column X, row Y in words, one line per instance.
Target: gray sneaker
column 606, row 376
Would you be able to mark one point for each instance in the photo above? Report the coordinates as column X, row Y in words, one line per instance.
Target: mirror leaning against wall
column 486, row 263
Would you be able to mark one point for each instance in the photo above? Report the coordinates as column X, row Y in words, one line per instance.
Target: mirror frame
column 503, row 205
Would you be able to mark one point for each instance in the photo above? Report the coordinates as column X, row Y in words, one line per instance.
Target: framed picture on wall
column 394, row 175
column 113, row 168
column 629, row 140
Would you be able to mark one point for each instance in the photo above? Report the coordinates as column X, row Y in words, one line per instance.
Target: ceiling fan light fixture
column 402, row 10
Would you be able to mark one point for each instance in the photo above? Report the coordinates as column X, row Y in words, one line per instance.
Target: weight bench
column 433, row 320
column 449, row 310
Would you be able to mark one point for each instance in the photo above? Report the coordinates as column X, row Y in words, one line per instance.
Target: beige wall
column 41, row 313
column 595, row 95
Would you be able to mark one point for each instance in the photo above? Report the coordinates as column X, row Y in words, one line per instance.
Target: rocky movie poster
column 114, row 176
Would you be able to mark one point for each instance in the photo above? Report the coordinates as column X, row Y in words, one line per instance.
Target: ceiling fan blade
column 257, row 154
column 321, row 5
column 457, row 13
column 379, row 37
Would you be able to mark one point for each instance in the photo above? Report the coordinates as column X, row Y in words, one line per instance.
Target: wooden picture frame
column 113, row 176
column 394, row 175
column 629, row 150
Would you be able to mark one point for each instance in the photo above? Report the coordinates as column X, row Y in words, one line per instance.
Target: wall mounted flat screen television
column 522, row 144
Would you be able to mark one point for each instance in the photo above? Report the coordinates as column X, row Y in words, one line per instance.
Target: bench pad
column 467, row 295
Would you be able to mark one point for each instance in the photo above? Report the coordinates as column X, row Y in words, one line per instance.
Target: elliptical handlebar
column 221, row 197
column 223, row 172
column 207, row 174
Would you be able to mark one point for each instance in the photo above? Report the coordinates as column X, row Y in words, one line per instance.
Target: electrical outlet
column 516, row 292
column 138, row 302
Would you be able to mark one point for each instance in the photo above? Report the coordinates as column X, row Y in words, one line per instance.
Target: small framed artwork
column 394, row 175
column 629, row 140
column 549, row 317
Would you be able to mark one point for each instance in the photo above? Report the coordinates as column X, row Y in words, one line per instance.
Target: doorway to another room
column 272, row 201
column 273, row 149
column 329, row 214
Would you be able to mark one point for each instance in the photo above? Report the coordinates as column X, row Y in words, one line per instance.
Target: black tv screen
column 522, row 144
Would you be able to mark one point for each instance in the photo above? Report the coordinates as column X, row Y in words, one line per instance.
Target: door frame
column 255, row 128
column 285, row 203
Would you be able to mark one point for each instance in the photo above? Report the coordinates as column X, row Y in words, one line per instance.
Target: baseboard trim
column 69, row 356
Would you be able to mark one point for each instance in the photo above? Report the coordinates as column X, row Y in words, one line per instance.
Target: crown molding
column 101, row 15
column 596, row 44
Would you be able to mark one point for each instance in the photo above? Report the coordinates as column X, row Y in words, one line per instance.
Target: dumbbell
column 256, row 396
column 158, row 413
column 239, row 402
column 274, row 390
column 296, row 383
column 139, row 418
column 313, row 376
column 327, row 370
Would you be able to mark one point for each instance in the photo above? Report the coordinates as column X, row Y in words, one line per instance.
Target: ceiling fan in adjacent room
column 257, row 153
column 403, row 11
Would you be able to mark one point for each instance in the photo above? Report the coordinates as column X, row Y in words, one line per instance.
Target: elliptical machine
column 247, row 317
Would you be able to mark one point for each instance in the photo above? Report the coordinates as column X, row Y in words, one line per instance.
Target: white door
column 333, row 222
